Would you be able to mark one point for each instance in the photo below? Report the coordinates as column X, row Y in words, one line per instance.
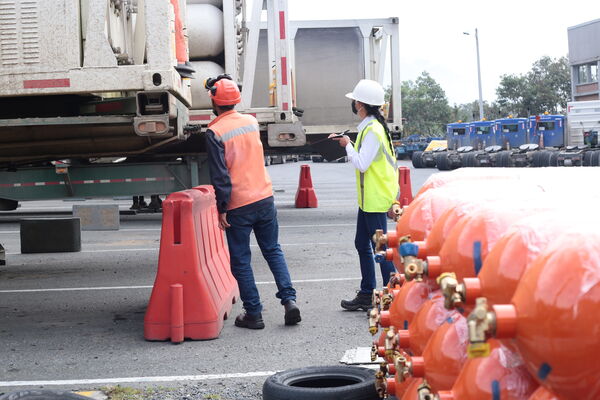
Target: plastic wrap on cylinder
column 518, row 248
column 557, row 304
column 204, row 69
column 501, row 375
column 543, row 394
column 205, row 31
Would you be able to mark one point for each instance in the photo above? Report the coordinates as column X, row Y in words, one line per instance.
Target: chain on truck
column 95, row 100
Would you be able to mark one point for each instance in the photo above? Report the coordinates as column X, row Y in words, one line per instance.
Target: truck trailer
column 98, row 102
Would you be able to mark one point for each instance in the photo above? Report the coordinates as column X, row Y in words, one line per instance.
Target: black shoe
column 292, row 313
column 249, row 321
column 360, row 302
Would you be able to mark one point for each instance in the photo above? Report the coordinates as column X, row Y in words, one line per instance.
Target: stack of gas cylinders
column 497, row 294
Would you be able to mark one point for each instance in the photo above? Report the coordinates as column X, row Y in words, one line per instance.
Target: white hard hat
column 368, row 92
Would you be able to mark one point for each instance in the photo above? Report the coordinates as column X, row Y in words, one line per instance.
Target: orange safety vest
column 244, row 158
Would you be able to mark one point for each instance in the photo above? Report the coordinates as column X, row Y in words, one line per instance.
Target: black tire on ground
column 42, row 395
column 468, row 160
column 587, row 158
column 442, row 162
column 536, row 159
column 417, row 159
column 596, row 158
column 504, row 158
column 554, row 159
column 321, row 383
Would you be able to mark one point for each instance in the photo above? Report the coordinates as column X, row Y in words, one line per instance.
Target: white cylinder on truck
column 205, row 31
column 204, row 69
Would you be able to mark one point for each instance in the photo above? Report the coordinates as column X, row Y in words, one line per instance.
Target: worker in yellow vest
column 376, row 183
column 245, row 201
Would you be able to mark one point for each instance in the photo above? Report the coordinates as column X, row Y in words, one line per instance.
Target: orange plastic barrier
column 306, row 196
column 194, row 288
column 406, row 196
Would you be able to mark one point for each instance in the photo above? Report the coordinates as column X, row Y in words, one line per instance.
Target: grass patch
column 122, row 393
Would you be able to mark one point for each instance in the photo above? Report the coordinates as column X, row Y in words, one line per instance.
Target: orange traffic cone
column 306, row 196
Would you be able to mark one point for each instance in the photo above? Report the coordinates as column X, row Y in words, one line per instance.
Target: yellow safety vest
column 377, row 187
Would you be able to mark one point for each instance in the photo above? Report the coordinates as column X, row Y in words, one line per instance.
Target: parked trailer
column 113, row 117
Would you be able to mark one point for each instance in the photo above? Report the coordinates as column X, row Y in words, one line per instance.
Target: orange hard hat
column 223, row 90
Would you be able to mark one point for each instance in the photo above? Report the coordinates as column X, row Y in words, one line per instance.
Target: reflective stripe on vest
column 244, row 158
column 378, row 185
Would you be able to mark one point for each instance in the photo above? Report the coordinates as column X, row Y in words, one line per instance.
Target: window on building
column 459, row 131
column 482, row 130
column 587, row 73
column 545, row 126
column 510, row 128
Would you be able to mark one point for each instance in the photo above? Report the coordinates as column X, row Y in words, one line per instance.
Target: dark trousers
column 266, row 229
column 366, row 225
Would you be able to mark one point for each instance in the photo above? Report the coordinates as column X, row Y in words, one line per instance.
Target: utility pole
column 481, row 115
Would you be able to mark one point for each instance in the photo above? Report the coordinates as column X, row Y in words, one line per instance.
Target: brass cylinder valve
column 454, row 292
column 481, row 323
column 374, row 319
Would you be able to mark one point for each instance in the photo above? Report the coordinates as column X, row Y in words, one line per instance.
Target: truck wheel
column 596, row 158
column 417, row 159
column 468, row 160
column 536, row 159
column 42, row 395
column 442, row 162
column 321, row 383
column 504, row 157
column 587, row 158
column 553, row 159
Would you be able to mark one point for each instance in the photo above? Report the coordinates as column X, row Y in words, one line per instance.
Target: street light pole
column 481, row 116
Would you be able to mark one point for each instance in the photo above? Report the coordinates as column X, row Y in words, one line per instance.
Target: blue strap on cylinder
column 544, row 371
column 495, row 390
column 477, row 257
column 409, row 249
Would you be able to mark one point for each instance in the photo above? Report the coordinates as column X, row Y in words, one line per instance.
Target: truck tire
column 596, row 158
column 553, row 159
column 504, row 158
column 587, row 158
column 321, row 383
column 468, row 160
column 536, row 161
column 42, row 395
column 417, row 159
column 442, row 162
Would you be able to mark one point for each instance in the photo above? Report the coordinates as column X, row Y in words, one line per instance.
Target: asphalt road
column 75, row 320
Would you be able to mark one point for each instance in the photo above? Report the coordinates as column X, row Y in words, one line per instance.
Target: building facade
column 584, row 58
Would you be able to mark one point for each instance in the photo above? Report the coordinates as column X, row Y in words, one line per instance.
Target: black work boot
column 292, row 313
column 360, row 302
column 249, row 321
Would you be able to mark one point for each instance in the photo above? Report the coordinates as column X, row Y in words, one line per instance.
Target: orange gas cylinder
column 474, row 176
column 397, row 388
column 470, row 240
column 513, row 254
column 543, row 394
column 429, row 317
column 410, row 298
column 442, row 358
column 553, row 317
column 411, row 391
column 502, row 375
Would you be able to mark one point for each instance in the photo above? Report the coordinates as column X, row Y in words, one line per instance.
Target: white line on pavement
column 138, row 379
column 156, row 248
column 158, row 229
column 83, row 289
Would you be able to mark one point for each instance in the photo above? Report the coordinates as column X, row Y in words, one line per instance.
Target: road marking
column 84, row 289
column 158, row 229
column 157, row 248
column 138, row 379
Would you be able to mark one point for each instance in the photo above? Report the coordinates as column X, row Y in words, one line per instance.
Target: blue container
column 547, row 129
column 482, row 134
column 511, row 132
column 457, row 135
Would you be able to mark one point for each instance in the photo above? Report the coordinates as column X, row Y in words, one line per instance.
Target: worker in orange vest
column 245, row 201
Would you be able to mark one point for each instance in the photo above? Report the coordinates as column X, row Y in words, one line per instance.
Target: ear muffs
column 209, row 83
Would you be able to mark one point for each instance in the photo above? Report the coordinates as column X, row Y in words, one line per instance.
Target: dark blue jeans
column 366, row 225
column 266, row 229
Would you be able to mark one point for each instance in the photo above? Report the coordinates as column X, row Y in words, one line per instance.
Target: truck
column 99, row 103
column 538, row 141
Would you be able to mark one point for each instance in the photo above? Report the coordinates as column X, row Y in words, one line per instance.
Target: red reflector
column 46, row 83
column 112, row 106
column 199, row 117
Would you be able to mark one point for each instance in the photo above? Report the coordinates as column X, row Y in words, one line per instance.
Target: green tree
column 425, row 106
column 547, row 87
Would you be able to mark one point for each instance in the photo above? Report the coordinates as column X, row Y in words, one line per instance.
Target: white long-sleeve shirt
column 368, row 149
